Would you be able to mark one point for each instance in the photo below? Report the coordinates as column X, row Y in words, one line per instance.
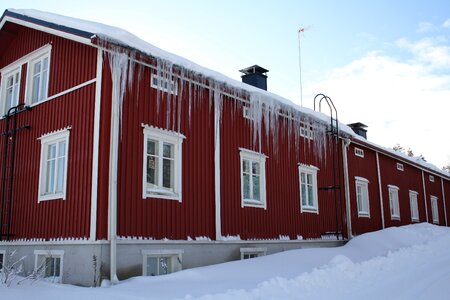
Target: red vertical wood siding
column 365, row 167
column 434, row 189
column 446, row 184
column 409, row 179
column 283, row 215
column 71, row 64
column 161, row 218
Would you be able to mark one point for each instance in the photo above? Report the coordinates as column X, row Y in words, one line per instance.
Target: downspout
column 443, row 198
column 95, row 146
column 345, row 144
column 217, row 190
column 380, row 190
column 425, row 195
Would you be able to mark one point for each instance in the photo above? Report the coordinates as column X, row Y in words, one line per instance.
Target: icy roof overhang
column 87, row 31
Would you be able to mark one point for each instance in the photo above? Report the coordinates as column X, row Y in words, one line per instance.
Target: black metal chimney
column 359, row 129
column 256, row 76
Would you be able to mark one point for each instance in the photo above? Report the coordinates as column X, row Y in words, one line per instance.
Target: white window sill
column 310, row 209
column 253, row 203
column 59, row 196
column 415, row 220
column 363, row 215
column 397, row 218
column 162, row 194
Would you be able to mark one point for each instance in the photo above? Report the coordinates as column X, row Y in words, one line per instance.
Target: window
column 162, row 163
column 253, row 178
column 2, row 258
column 53, row 169
column 49, row 264
column 359, row 152
column 38, row 75
column 308, row 188
column 362, row 196
column 434, row 209
column 246, row 112
column 431, row 177
column 247, row 253
column 164, row 84
column 393, row 202
column 306, row 131
column 10, row 88
column 414, row 206
column 161, row 262
column 400, row 167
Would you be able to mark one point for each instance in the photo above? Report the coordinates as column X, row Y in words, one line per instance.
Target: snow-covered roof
column 89, row 30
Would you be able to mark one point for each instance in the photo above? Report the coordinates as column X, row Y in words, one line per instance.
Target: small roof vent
column 359, row 129
column 256, row 76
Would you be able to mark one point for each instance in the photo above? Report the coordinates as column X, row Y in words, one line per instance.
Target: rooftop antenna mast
column 299, row 33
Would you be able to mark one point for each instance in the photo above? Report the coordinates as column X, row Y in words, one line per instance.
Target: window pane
column 246, row 166
column 37, row 67
column 43, row 90
column 309, row 178
column 302, row 178
column 256, row 188
column 164, row 265
column 303, row 189
column 255, row 167
column 57, row 263
column 62, row 148
column 152, row 266
column 60, row 175
column 51, row 153
column 168, row 173
column 152, row 166
column 246, row 178
column 50, row 177
column 310, row 196
column 168, row 150
column 35, row 89
column 152, row 147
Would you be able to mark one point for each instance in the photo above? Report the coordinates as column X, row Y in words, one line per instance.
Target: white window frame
column 46, row 141
column 3, row 260
column 175, row 256
column 364, row 184
column 434, row 209
column 38, row 55
column 394, row 202
column 246, row 112
column 306, row 131
column 414, row 206
column 40, row 255
column 400, row 167
column 309, row 170
column 253, row 157
column 359, row 152
column 163, row 136
column 256, row 251
column 431, row 177
column 11, row 70
column 164, row 84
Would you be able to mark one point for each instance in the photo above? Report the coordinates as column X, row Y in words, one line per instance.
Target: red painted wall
column 434, row 189
column 71, row 64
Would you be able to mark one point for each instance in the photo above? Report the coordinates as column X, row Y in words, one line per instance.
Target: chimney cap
column 357, row 125
column 255, row 69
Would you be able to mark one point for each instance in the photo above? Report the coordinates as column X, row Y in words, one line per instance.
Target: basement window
column 162, row 163
column 49, row 263
column 53, row 166
column 247, row 253
column 253, row 178
column 164, row 84
column 400, row 167
column 2, row 258
column 161, row 262
column 359, row 152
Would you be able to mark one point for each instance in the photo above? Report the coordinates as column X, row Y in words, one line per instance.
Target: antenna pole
column 300, row 30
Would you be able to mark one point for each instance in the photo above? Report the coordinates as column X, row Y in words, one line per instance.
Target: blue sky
column 384, row 63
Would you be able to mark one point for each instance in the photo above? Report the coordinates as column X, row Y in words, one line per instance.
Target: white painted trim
column 362, row 179
column 363, row 182
column 42, row 52
column 59, row 135
column 259, row 251
column 425, row 196
column 175, row 138
column 415, row 194
column 443, row 201
column 76, row 38
column 27, row 57
column 345, row 147
column 95, row 146
column 52, row 254
column 434, row 201
column 380, row 190
column 394, row 189
column 359, row 152
column 217, row 173
column 302, row 168
column 261, row 159
column 11, row 70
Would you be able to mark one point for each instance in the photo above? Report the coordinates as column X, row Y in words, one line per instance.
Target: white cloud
column 404, row 102
column 425, row 27
column 446, row 24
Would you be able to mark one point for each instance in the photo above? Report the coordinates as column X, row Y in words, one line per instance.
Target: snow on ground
column 409, row 262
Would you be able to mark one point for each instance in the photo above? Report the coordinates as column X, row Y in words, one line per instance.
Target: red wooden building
column 121, row 159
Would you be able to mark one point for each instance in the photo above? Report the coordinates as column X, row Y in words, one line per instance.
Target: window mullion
column 160, row 163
